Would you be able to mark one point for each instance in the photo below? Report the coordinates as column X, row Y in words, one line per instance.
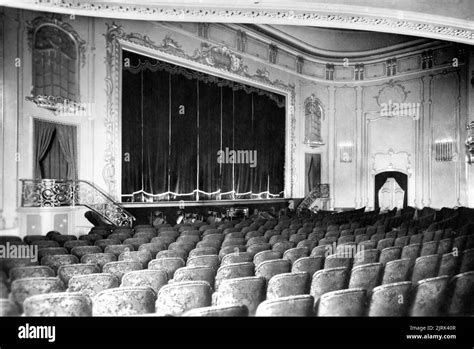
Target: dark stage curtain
column 174, row 122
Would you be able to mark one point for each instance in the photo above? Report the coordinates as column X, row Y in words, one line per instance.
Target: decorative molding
column 241, row 41
column 220, row 58
column 314, row 114
column 57, row 104
column 272, row 53
column 55, row 20
column 391, row 161
column 386, row 21
column 393, row 91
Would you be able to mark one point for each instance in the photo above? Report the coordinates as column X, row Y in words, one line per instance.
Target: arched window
column 313, row 121
column 55, row 63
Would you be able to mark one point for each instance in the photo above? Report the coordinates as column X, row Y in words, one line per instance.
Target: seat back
column 397, row 271
column 66, row 272
column 268, row 269
column 449, row 264
column 172, row 254
column 119, row 268
column 91, row 284
column 219, row 311
column 390, row 300
column 295, row 253
column 425, row 267
column 124, row 301
column 8, row 308
column 58, row 304
column 266, row 256
column 203, row 251
column 238, row 257
column 51, row 251
column 335, row 261
column 211, row 261
column 170, row 265
column 117, row 250
column 247, row 291
column 301, row 305
column 366, row 257
column 411, row 251
column 467, row 263
column 231, row 271
column 80, row 251
column 282, row 246
column 288, row 284
column 154, row 279
column 430, row 296
column 309, row 265
column 27, row 287
column 429, row 248
column 366, row 276
column 207, row 274
column 99, row 259
column 143, row 257
column 462, row 295
column 327, row 280
column 55, row 261
column 30, row 271
column 390, row 254
column 179, row 297
column 351, row 302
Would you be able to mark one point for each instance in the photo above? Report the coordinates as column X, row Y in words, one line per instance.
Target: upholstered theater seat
column 124, row 301
column 179, row 297
column 301, row 305
column 91, row 284
column 58, row 304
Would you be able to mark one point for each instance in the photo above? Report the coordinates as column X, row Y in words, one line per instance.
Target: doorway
column 394, row 181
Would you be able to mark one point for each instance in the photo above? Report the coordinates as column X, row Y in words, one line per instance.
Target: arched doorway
column 393, row 181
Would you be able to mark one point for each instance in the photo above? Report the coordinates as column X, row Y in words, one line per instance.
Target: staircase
column 58, row 192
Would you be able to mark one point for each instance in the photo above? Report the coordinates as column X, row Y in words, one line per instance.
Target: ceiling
column 451, row 20
column 329, row 42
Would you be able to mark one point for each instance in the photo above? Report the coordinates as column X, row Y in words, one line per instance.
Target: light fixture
column 445, row 150
column 345, row 152
column 470, row 143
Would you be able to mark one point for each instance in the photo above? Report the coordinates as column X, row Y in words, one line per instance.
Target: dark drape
column 68, row 143
column 55, row 150
column 44, row 132
column 174, row 123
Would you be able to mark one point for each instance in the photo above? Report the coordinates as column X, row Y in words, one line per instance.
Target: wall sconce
column 345, row 152
column 445, row 150
column 470, row 143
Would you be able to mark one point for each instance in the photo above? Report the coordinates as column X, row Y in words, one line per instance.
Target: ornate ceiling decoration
column 446, row 23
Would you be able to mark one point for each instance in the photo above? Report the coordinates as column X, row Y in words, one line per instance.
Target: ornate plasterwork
column 217, row 57
column 392, row 91
column 391, row 161
column 386, row 22
column 56, row 21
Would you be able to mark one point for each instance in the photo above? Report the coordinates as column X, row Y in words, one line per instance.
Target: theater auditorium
column 237, row 159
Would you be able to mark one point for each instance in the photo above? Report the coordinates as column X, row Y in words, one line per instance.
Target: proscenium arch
column 117, row 41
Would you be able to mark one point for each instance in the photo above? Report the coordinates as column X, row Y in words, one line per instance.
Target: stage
column 143, row 210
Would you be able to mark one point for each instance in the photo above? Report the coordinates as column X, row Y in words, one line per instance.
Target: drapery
column 43, row 134
column 174, row 123
column 55, row 150
column 67, row 140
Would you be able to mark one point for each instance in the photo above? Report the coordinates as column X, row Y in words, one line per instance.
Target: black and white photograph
column 173, row 162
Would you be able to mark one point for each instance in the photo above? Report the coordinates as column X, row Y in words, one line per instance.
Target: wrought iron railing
column 320, row 191
column 59, row 192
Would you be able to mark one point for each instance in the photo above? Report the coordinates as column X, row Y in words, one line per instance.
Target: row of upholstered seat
column 194, row 245
column 267, row 264
column 283, row 296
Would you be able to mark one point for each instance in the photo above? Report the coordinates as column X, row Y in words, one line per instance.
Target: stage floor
column 246, row 202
